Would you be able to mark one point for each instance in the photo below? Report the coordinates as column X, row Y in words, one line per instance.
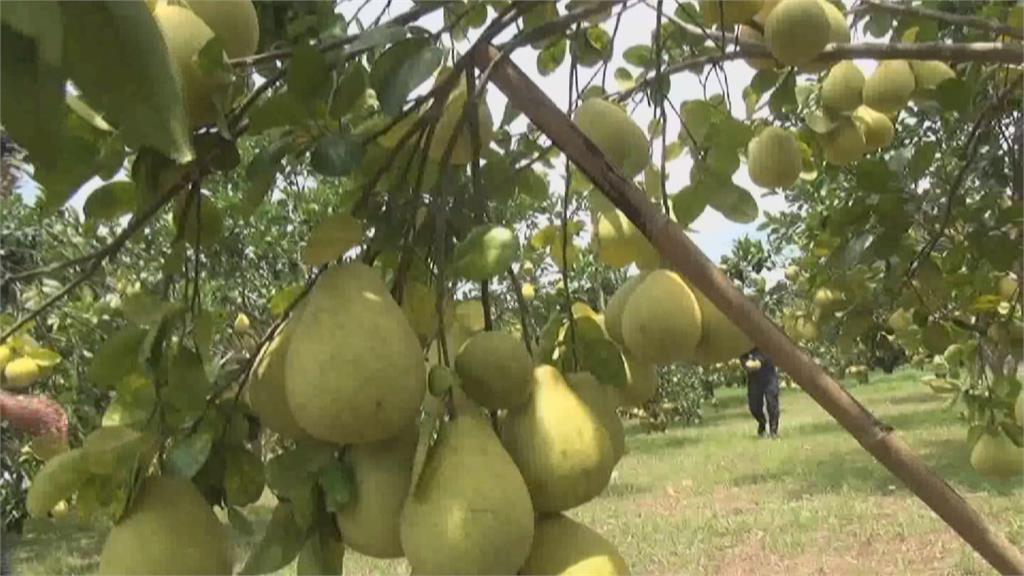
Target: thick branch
column 686, row 258
column 985, row 52
column 948, row 17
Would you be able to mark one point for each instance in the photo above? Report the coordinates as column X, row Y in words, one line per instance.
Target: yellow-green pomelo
column 750, row 34
column 889, row 87
column 234, row 23
column 618, row 241
column 616, row 135
column 21, row 373
column 997, row 456
column 661, row 322
column 559, row 444
column 470, row 511
column 762, row 15
column 470, row 316
column 242, row 323
column 462, row 153
column 528, row 292
column 877, row 128
column 843, row 88
column 602, row 400
column 720, row 340
column 565, row 547
column 773, row 158
column 617, row 303
column 845, row 143
column 169, row 529
column 55, row 481
column 495, row 369
column 419, row 303
column 185, row 35
column 797, row 31
column 838, row 33
column 354, row 370
column 6, row 355
column 266, row 389
column 641, row 382
column 369, row 522
column 792, row 273
column 716, row 12
column 930, row 73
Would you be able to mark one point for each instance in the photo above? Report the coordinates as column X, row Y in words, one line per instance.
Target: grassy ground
column 713, row 499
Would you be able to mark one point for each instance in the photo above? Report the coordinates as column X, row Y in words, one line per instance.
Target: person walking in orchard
column 762, row 392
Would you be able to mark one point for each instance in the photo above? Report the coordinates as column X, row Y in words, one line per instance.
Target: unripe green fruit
column 661, row 322
column 169, row 529
column 529, row 292
column 185, row 35
column 641, row 382
column 844, row 144
column 495, row 370
column 6, row 354
column 1006, row 287
column 727, row 12
column 889, row 87
column 618, row 137
column 774, row 159
column 995, row 455
column 233, row 21
column 21, row 373
column 842, row 89
column 242, row 323
column 877, row 128
column 566, row 547
column 792, row 273
column 930, row 73
column 602, row 401
column 797, row 31
column 487, row 251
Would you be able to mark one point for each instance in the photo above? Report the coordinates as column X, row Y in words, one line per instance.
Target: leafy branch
column 976, row 22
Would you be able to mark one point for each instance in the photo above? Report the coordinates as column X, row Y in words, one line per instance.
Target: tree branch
column 687, row 259
column 947, row 17
column 985, row 52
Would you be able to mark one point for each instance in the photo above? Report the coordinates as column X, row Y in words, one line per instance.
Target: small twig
column 524, row 312
column 661, row 102
column 565, row 227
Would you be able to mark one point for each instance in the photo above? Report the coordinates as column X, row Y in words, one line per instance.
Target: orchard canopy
column 406, row 264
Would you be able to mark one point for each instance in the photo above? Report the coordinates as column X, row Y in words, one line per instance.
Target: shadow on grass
column 55, row 547
column 901, row 421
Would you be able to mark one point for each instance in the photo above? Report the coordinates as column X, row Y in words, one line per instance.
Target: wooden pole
column 687, row 259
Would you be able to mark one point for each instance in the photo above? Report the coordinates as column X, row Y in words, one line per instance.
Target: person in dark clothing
column 762, row 391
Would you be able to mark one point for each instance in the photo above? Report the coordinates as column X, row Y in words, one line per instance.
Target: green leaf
column 819, row 122
column 57, row 480
column 294, row 472
column 689, row 203
column 262, row 172
column 331, row 239
column 497, row 181
column 187, row 455
column 954, row 95
column 349, row 90
column 551, row 57
column 134, row 403
column 283, row 298
column 243, row 477
column 641, row 56
column 783, row 98
column 186, row 389
column 401, row 69
column 109, row 449
column 308, row 78
column 624, row 78
column 735, row 203
column 31, row 102
column 117, row 357
column 723, row 159
column 323, row 553
column 335, row 155
column 603, row 359
column 922, row 159
column 532, row 185
column 115, row 54
column 147, row 309
column 280, row 544
column 281, row 109
column 41, row 23
column 222, row 154
column 338, row 483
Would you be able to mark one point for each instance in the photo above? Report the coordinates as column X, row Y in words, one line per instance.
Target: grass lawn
column 713, row 499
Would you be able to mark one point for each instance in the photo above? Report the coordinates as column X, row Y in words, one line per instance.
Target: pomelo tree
column 439, row 219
